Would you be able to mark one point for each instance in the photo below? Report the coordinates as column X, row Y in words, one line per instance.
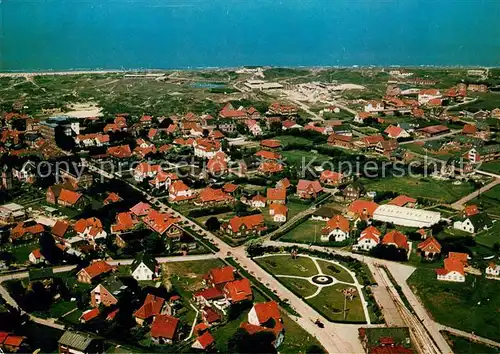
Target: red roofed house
column 270, row 144
column 283, row 183
column 179, row 192
column 10, row 343
column 362, row 209
column 276, row 195
column 308, row 189
column 430, row 248
column 425, row 95
column 344, row 141
column 469, row 129
column 331, row 178
column 397, row 239
column 112, row 198
column 369, row 142
column 207, row 296
column 242, row 226
column 209, row 316
column 162, row 223
column 164, row 329
column 337, row 229
column 124, row 222
column 282, row 110
column 163, row 179
column 270, row 167
column 470, row 210
column 266, row 316
column 93, row 272
column 211, row 196
column 431, row 131
column 278, row 212
column 403, row 201
column 145, row 170
column 454, row 268
column 369, row 238
column 119, row 152
column 141, row 209
column 360, row 117
column 204, row 342
column 90, row 229
column 36, row 257
column 229, row 112
column 238, row 291
column 89, row 315
column 60, row 229
column 258, row 201
column 268, row 155
column 70, row 198
column 206, row 148
column 152, row 306
column 395, row 132
column 25, row 231
column 218, row 277
column 217, row 165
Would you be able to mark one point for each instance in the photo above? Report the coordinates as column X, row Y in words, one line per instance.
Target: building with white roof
column 406, row 216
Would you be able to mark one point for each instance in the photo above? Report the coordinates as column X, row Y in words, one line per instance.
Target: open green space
column 419, row 149
column 489, row 237
column 470, row 306
column 439, row 191
column 21, row 252
column 285, row 265
column 336, row 271
column 302, row 287
column 330, row 303
column 461, row 345
column 489, row 201
column 492, row 166
column 307, row 232
column 299, row 156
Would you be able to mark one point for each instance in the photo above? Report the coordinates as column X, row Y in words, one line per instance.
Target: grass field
column 489, row 201
column 461, row 345
column 289, row 139
column 418, row 148
column 307, row 232
column 471, row 306
column 330, row 299
column 338, row 272
column 492, row 166
column 440, row 191
column 299, row 156
column 285, row 265
column 330, row 303
column 489, row 237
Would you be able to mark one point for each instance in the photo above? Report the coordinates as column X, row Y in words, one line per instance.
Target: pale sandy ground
column 84, row 110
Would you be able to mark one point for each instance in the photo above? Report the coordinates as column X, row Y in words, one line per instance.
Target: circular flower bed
column 322, row 279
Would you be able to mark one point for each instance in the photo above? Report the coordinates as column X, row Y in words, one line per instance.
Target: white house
column 258, row 201
column 253, row 127
column 144, row 268
column 336, row 229
column 278, row 212
column 27, row 173
column 145, row 170
column 473, row 223
column 425, row 95
column 374, row 106
column 369, row 238
column 179, row 191
column 90, row 229
column 36, row 257
column 454, row 268
column 493, row 270
column 206, row 148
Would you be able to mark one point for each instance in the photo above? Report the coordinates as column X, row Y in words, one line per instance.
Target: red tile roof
column 213, row 195
column 430, row 245
column 397, row 238
column 238, row 290
column 328, row 175
column 90, row 314
column 469, row 129
column 164, row 326
column 276, row 194
column 250, row 222
column 210, row 294
column 268, row 155
column 337, row 222
column 230, row 187
column 221, row 275
column 205, row 340
column 309, row 186
column 266, row 311
column 152, row 306
column 81, row 225
column 112, row 198
column 393, row 131
column 36, row 253
column 270, row 143
column 270, row 167
column 471, row 210
column 121, row 151
column 69, row 197
column 278, row 209
column 363, row 208
column 60, row 228
column 371, row 232
column 402, row 200
column 141, row 209
column 97, row 268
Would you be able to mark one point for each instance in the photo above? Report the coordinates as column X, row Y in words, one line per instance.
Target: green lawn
column 21, row 252
column 492, row 166
column 489, row 237
column 330, row 303
column 471, row 306
column 301, row 287
column 307, row 232
column 461, row 345
column 285, row 265
column 299, row 156
column 334, row 270
column 419, row 149
column 290, row 139
column 440, row 191
column 489, row 201
column 297, row 340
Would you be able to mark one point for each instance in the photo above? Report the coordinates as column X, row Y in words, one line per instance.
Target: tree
column 314, row 349
column 153, row 244
column 165, row 123
column 48, row 248
column 212, row 224
column 62, row 140
column 243, row 342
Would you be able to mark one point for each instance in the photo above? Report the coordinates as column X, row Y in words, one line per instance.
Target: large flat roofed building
column 406, row 216
column 12, row 212
column 262, row 85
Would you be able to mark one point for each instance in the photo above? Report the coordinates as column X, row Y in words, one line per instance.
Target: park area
column 325, row 285
column 471, row 306
column 489, row 201
column 431, row 189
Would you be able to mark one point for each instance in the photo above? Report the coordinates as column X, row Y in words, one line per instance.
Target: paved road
column 459, row 204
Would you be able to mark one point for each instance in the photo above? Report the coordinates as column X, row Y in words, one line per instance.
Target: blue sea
column 166, row 34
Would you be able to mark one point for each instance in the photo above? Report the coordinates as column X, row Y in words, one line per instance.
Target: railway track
column 419, row 334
